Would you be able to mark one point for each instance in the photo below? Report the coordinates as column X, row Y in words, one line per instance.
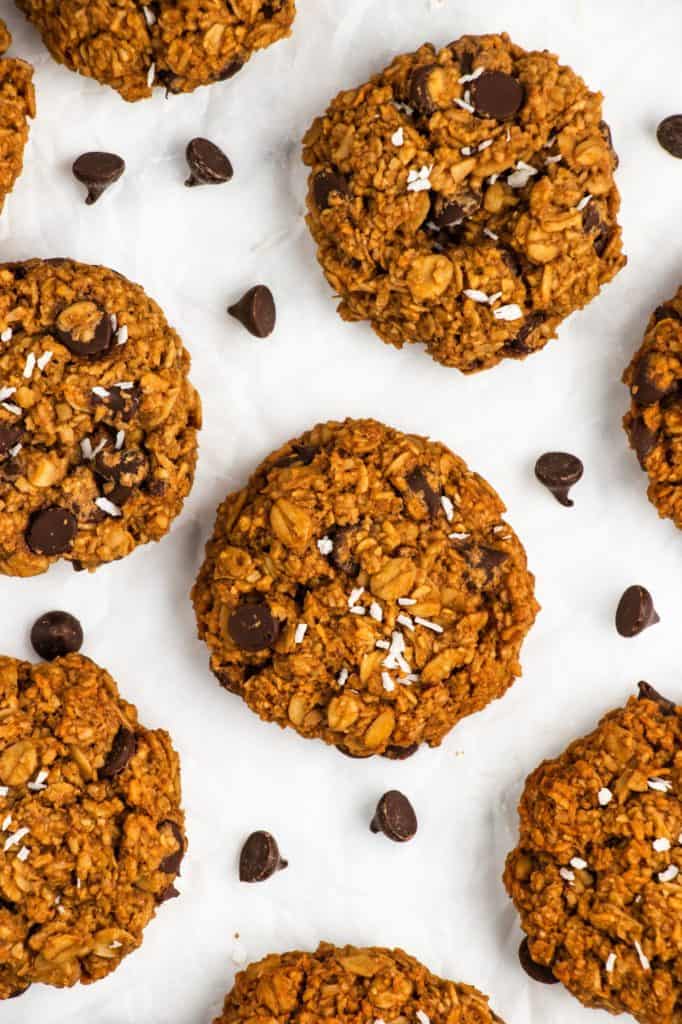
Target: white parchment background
column 439, row 897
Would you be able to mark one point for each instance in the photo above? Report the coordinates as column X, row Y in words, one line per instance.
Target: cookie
column 364, row 590
column 177, row 45
column 98, row 420
column 595, row 876
column 653, row 423
column 92, row 831
column 17, row 107
column 347, row 984
column 464, row 199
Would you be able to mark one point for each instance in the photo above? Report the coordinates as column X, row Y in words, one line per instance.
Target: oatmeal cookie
column 98, row 420
column 364, row 589
column 464, row 198
column 654, row 422
column 179, row 45
column 17, row 106
column 351, row 986
column 92, row 831
column 596, row 875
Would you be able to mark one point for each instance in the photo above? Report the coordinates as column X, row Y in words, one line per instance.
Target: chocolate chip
column 591, row 218
column 260, row 858
column 304, row 453
column 480, row 556
column 538, row 972
column 395, row 817
column 642, row 439
column 171, row 864
column 635, row 611
column 253, row 627
column 666, row 312
column 128, row 468
column 417, row 482
column 559, row 471
column 85, row 329
column 496, row 94
column 394, row 753
column 448, row 214
column 602, row 239
column 123, row 402
column 418, row 95
column 606, row 133
column 51, row 531
column 466, row 61
column 645, row 390
column 122, row 749
column 256, row 311
column 56, row 634
column 208, row 164
column 230, row 70
column 19, row 992
column 647, row 692
column 341, row 556
column 9, row 436
column 326, row 184
column 169, row 893
column 669, row 135
column 530, row 324
column 97, row 171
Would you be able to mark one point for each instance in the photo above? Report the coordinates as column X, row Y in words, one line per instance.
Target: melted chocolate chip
column 645, row 390
column 171, row 864
column 642, row 439
column 647, row 692
column 497, row 94
column 559, row 471
column 51, row 531
column 91, row 336
column 530, row 324
column 55, row 634
column 9, row 437
column 395, row 753
column 635, row 611
column 122, row 750
column 341, row 556
column 325, row 185
column 538, row 972
column 417, row 482
column 253, row 627
column 123, row 402
column 666, row 312
column 260, row 858
column 169, row 893
column 418, row 95
column 395, row 817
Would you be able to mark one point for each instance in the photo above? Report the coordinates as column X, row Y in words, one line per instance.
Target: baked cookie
column 98, row 421
column 595, row 876
column 654, row 422
column 92, row 831
column 464, row 198
column 17, row 106
column 357, row 986
column 364, row 589
column 176, row 44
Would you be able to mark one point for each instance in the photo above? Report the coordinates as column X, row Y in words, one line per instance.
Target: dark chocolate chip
column 591, row 218
column 418, row 95
column 395, row 817
column 635, row 611
column 253, row 627
column 666, row 312
column 669, row 135
column 326, row 184
column 480, row 556
column 466, row 62
column 56, row 634
column 97, row 171
column 530, row 324
column 256, row 311
column 208, row 164
column 559, row 471
column 497, row 94
column 642, row 439
column 51, row 531
column 602, row 239
column 19, row 992
column 538, row 972
column 304, row 453
column 169, row 893
column 128, row 468
column 260, row 858
column 417, row 482
column 9, row 436
column 647, row 692
column 645, row 390
column 123, row 402
column 230, row 70
column 171, row 864
column 394, row 753
column 446, row 214
column 341, row 556
column 122, row 749
column 606, row 133
column 91, row 337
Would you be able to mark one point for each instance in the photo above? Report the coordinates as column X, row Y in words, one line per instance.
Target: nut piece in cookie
column 17, row 107
column 596, row 873
column 464, row 199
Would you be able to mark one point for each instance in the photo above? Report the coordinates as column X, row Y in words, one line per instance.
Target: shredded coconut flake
column 357, row 609
column 604, row 796
column 301, row 630
column 122, row 335
column 6, row 823
column 422, row 1017
column 355, row 596
column 466, row 150
column 644, row 961
column 405, row 621
column 43, row 360
column 124, row 385
column 521, row 176
column 39, row 782
column 486, row 144
column 398, row 137
column 553, row 159
column 610, row 963
column 383, row 645
column 6, row 334
column 660, row 785
column 495, row 297
column 151, row 75
column 325, row 545
column 509, row 312
column 100, row 392
column 14, row 451
column 578, row 863
column 23, row 853
column 661, row 845
column 491, row 234
column 10, row 407
column 376, row 612
column 342, row 677
column 567, row 874
column 15, row 838
column 407, row 602
column 476, row 73
column 120, row 439
column 465, row 106
column 669, row 875
column 387, row 682
column 428, row 624
column 6, row 393
column 30, row 366
column 419, row 181
column 108, row 506
column 4, row 790
column 584, row 201
column 475, row 295
column 448, row 507
column 458, row 536
column 149, row 16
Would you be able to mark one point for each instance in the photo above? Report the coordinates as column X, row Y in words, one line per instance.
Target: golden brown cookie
column 364, row 589
column 175, row 44
column 654, row 422
column 17, row 106
column 464, row 199
column 351, row 986
column 91, row 828
column 98, row 420
column 596, row 875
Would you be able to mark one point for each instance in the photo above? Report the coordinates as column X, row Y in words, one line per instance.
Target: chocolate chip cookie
column 596, row 875
column 178, row 45
column 364, row 590
column 653, row 424
column 357, row 986
column 17, row 106
column 91, row 828
column 98, row 420
column 464, row 198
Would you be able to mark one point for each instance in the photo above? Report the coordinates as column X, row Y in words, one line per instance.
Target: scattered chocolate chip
column 230, row 70
column 666, row 312
column 9, row 436
column 122, row 749
column 418, row 95
column 253, row 627
column 606, row 133
column 417, row 482
column 85, row 329
column 256, row 311
column 341, row 556
column 559, row 471
column 208, row 164
column 394, row 753
column 260, row 858
column 642, row 439
column 55, row 634
column 530, row 324
column 395, row 817
column 645, row 390
column 327, row 183
column 635, row 611
column 538, row 972
column 669, row 135
column 647, row 692
column 496, row 94
column 51, row 531
column 97, row 171
column 171, row 864
column 169, row 893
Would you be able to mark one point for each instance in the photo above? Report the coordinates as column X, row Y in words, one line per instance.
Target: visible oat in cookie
column 351, row 986
column 596, row 875
column 17, row 106
column 98, row 420
column 654, row 421
column 465, row 199
column 91, row 828
column 178, row 45
column 365, row 590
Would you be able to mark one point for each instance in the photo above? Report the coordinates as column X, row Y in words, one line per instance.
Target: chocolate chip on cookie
column 260, row 858
column 417, row 482
column 536, row 971
column 559, row 471
column 171, row 864
column 635, row 611
column 256, row 311
column 648, row 692
column 85, row 329
column 669, row 135
column 253, row 627
column 97, row 171
column 122, row 750
column 55, row 634
column 51, row 532
column 497, row 94
column 327, row 184
column 207, row 163
column 395, row 817
column 418, row 89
